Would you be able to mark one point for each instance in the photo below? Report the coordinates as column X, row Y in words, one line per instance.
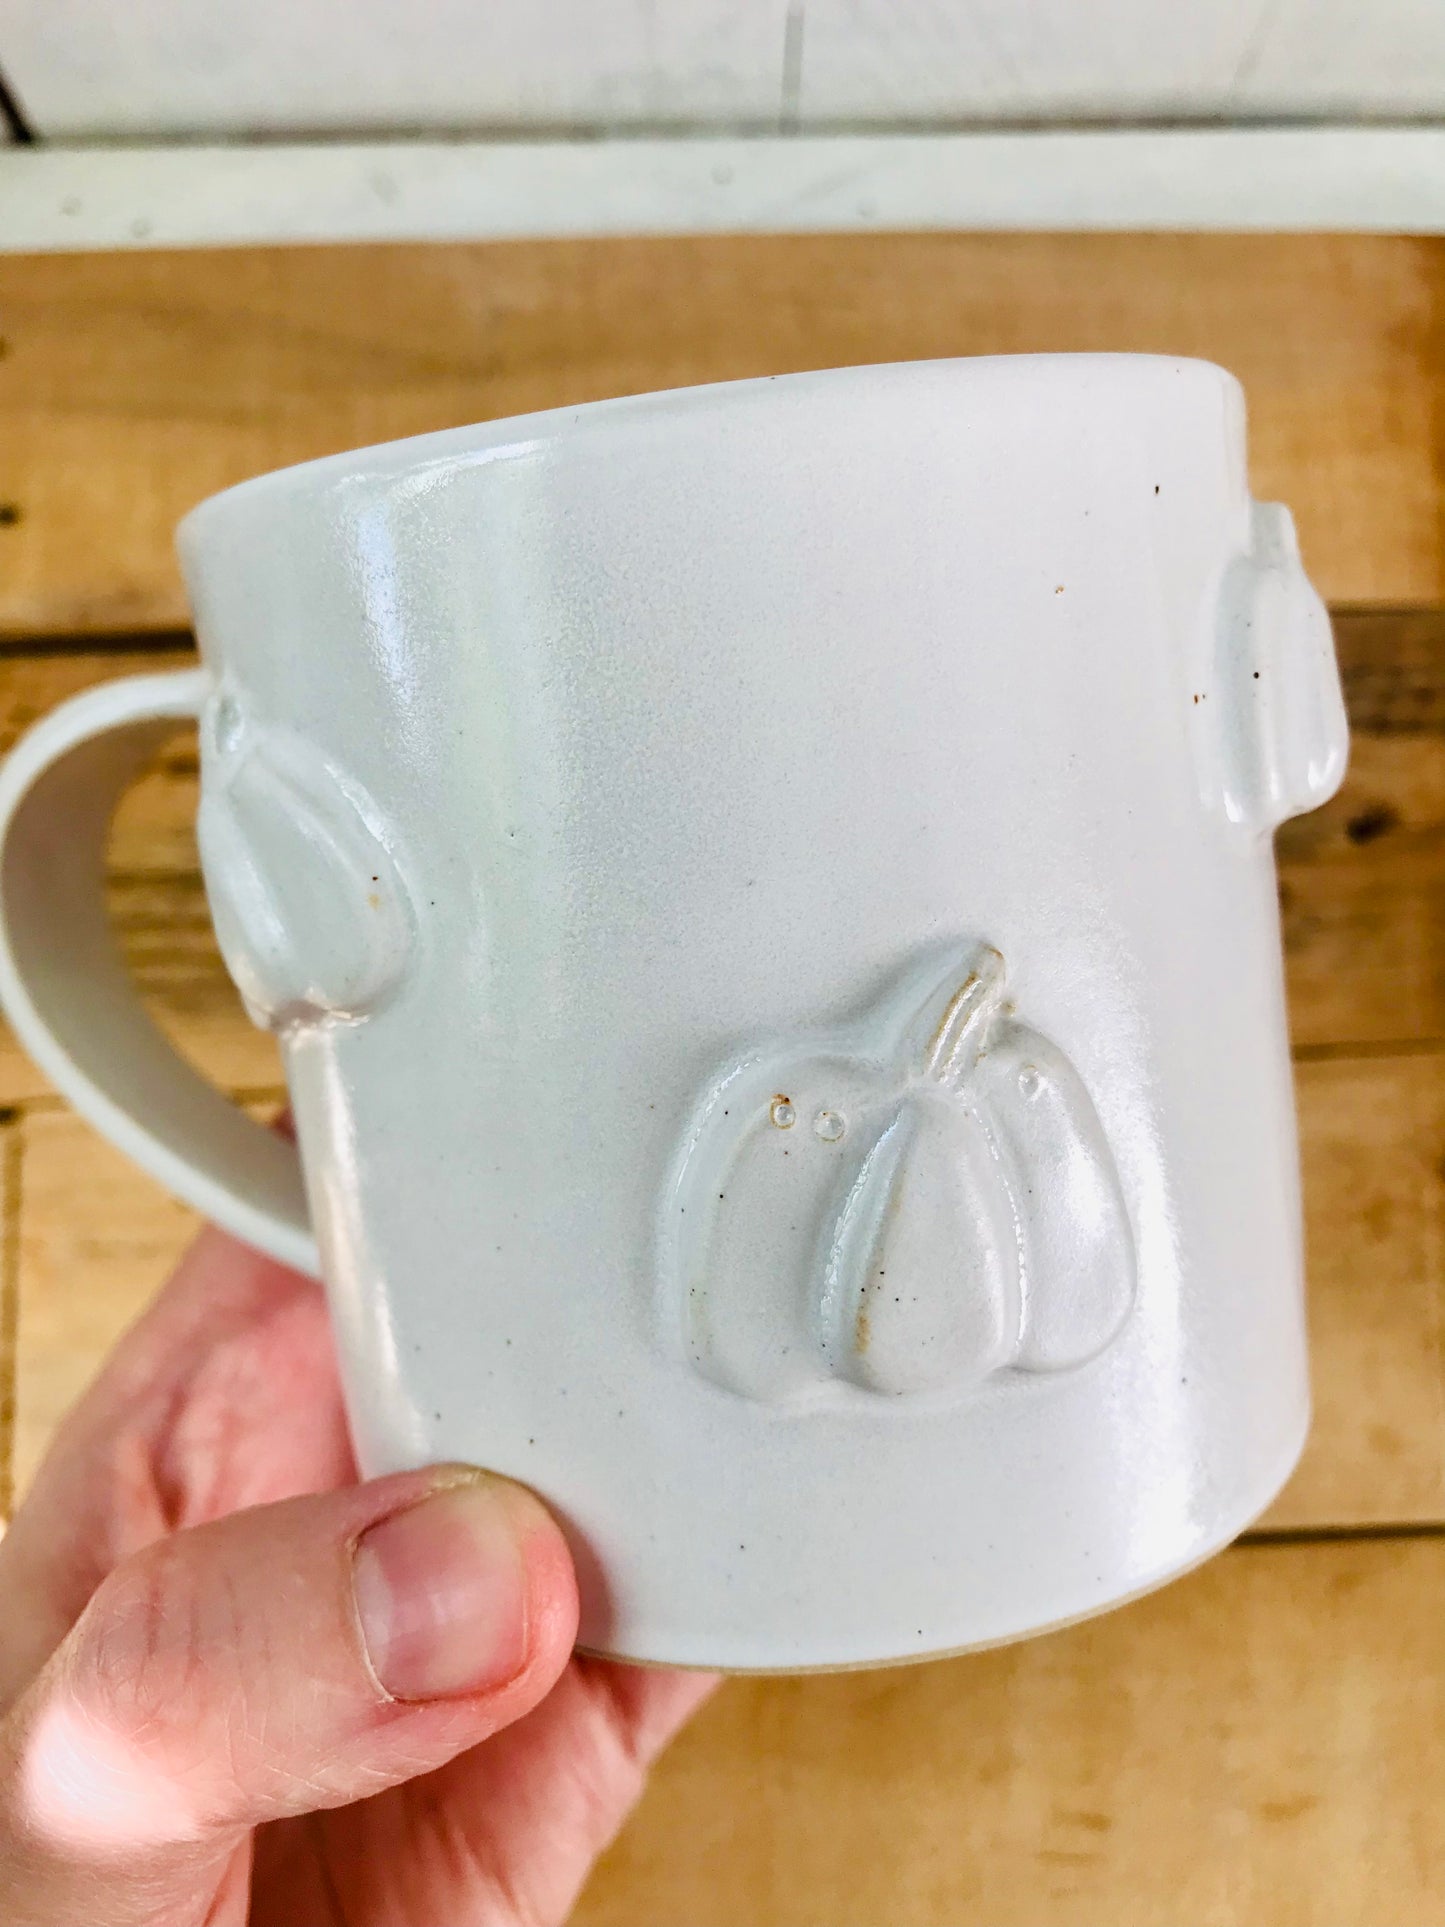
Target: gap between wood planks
column 139, row 642
column 133, row 385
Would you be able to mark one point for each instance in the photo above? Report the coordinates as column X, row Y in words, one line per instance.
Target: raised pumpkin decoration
column 907, row 1222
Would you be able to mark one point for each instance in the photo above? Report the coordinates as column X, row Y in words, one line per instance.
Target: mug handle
column 65, row 987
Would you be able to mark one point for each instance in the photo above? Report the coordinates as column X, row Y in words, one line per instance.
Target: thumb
column 290, row 1657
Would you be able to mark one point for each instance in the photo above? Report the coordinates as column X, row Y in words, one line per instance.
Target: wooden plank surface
column 94, row 1240
column 134, row 384
column 1260, row 1745
column 1362, row 881
column 1263, row 1743
column 1372, row 1144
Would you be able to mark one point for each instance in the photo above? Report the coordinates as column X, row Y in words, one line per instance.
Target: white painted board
column 250, row 66
column 1379, row 179
column 237, row 67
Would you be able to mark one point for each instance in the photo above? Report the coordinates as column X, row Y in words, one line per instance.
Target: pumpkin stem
column 953, row 1049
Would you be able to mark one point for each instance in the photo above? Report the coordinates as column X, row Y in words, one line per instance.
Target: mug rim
column 506, row 437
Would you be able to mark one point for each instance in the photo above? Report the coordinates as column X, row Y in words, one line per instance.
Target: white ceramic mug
column 767, row 899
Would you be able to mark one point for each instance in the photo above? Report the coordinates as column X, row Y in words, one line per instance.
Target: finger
column 552, row 1792
column 296, row 1656
column 223, row 1395
column 229, row 1325
column 508, row 1831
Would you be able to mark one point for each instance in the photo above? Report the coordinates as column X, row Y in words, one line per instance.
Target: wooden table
column 1261, row 1743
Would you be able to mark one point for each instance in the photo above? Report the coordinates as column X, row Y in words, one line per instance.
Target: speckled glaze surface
column 767, row 897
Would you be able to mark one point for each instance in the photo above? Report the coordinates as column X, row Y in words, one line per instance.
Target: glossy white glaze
column 706, row 742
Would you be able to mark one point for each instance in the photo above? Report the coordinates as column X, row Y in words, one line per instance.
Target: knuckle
column 141, row 1660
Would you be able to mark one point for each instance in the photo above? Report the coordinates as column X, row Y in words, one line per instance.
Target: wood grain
column 94, row 1239
column 1372, row 1144
column 1362, row 881
column 134, row 384
column 1260, row 1745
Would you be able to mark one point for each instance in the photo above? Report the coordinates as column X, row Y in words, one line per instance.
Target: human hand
column 237, row 1686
